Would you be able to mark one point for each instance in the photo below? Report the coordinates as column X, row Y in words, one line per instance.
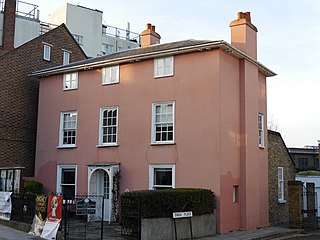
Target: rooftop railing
column 24, row 9
column 121, row 33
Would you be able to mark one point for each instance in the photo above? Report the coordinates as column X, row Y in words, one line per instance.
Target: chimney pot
column 153, row 28
column 148, row 25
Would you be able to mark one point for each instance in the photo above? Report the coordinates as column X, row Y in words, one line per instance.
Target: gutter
column 228, row 48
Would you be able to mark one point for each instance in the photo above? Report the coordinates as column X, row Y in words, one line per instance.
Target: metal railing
column 24, row 9
column 121, row 33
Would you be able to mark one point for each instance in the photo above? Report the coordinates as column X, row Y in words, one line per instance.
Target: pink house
column 182, row 114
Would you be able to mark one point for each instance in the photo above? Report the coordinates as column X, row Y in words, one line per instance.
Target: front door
column 100, row 185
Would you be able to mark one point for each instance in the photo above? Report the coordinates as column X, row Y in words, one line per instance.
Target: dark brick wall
column 19, row 95
column 278, row 156
column 8, row 26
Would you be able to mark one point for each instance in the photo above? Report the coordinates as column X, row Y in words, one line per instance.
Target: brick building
column 281, row 170
column 19, row 98
column 306, row 158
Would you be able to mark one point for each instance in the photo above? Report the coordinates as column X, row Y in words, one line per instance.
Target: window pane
column 17, row 181
column 9, row 185
column 68, row 190
column 68, row 176
column 163, row 176
column 3, row 180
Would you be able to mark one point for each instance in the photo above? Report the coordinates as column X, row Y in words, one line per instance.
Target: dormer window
column 70, row 81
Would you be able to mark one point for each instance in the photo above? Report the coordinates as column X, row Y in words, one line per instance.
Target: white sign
column 50, row 230
column 182, row 214
column 5, row 205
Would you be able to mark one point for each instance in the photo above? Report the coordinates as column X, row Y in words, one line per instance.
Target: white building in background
column 85, row 24
column 95, row 38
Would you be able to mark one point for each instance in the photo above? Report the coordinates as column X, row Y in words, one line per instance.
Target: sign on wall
column 54, row 209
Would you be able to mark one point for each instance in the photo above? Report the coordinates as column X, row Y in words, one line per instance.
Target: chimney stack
column 149, row 36
column 9, row 22
column 244, row 34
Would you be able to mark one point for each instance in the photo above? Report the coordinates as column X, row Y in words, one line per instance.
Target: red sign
column 54, row 209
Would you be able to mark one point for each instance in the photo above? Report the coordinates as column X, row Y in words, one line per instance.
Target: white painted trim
column 61, row 145
column 155, row 72
column 153, row 135
column 104, row 80
column 282, row 199
column 47, row 47
column 101, row 144
column 59, row 171
column 64, row 81
column 151, row 173
column 261, row 115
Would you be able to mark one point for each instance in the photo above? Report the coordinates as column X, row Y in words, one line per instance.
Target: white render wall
column 26, row 30
column 316, row 181
column 88, row 23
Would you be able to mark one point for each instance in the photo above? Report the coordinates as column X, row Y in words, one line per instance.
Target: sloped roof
column 157, row 50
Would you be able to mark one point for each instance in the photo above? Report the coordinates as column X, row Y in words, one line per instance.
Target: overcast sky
column 288, row 43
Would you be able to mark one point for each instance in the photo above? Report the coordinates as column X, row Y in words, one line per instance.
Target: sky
column 288, row 44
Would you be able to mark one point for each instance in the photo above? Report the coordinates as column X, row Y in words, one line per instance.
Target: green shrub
column 308, row 173
column 162, row 203
column 31, row 186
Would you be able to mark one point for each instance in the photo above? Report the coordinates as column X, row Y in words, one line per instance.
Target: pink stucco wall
column 209, row 98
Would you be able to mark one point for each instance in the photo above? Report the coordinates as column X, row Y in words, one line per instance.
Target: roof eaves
column 99, row 62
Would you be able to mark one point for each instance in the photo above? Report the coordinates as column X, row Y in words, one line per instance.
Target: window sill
column 66, row 147
column 107, row 145
column 162, row 143
column 282, row 201
column 110, row 83
column 69, row 89
column 262, row 147
column 163, row 76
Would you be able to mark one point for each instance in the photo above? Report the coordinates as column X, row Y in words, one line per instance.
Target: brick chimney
column 8, row 25
column 244, row 34
column 149, row 36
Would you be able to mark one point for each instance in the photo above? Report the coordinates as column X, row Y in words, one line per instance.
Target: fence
column 83, row 217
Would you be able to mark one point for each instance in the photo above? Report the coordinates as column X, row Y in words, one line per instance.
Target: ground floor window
column 161, row 176
column 10, row 180
column 66, row 180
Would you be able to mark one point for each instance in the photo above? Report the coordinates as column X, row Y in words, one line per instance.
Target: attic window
column 70, row 81
column 47, row 51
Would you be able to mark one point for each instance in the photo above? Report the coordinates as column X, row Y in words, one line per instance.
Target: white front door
column 100, row 185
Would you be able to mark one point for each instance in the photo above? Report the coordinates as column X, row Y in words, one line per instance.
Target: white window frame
column 66, row 57
column 78, row 38
column 152, row 167
column 47, row 51
column 59, row 178
column 67, row 84
column 167, row 69
column 261, row 130
column 153, row 130
column 61, row 133
column 280, row 174
column 235, row 193
column 102, row 110
column 110, row 75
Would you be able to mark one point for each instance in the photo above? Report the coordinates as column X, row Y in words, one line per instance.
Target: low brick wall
column 163, row 228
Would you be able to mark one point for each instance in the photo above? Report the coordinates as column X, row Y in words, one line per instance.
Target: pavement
column 7, row 233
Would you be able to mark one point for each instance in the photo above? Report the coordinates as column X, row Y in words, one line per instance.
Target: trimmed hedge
column 162, row 203
column 31, row 186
